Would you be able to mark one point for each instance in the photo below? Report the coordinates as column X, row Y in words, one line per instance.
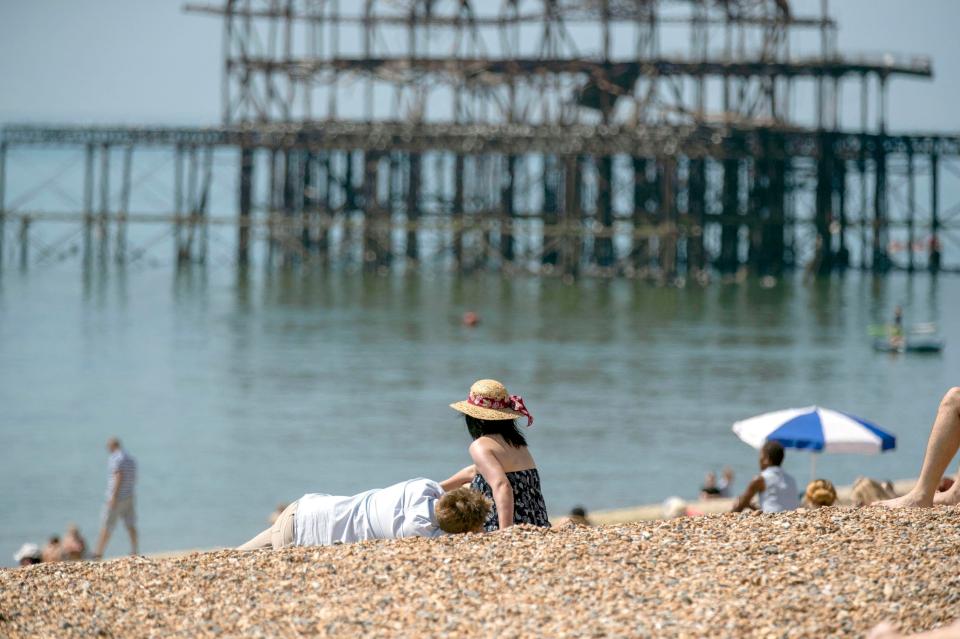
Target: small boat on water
column 912, row 344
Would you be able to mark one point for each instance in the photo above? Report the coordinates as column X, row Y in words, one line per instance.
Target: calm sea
column 237, row 392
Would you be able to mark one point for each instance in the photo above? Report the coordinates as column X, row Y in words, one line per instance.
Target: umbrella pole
column 813, row 465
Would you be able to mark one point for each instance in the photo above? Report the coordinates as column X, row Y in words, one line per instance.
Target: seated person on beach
column 941, row 447
column 414, row 508
column 710, row 489
column 820, row 493
column 52, row 551
column 577, row 517
column 74, row 546
column 775, row 489
column 725, row 483
column 28, row 555
column 868, row 491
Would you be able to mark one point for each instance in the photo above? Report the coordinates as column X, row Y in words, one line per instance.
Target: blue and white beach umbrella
column 815, row 429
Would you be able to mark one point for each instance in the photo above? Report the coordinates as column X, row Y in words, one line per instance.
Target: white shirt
column 401, row 510
column 779, row 492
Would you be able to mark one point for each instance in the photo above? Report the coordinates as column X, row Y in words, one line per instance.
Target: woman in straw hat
column 504, row 468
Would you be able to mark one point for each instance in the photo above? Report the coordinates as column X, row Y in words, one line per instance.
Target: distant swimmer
column 471, row 319
column 896, row 329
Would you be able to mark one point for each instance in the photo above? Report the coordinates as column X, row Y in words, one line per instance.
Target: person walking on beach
column 941, row 447
column 122, row 469
column 414, row 508
column 776, row 490
column 505, row 470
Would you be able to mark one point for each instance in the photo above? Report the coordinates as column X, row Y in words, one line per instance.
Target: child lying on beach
column 414, row 508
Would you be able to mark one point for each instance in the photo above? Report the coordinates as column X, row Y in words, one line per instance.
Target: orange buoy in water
column 470, row 319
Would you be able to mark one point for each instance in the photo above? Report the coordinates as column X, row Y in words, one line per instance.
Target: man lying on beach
column 414, row 508
column 775, row 489
column 941, row 447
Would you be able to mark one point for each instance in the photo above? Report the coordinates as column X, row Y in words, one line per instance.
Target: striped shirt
column 122, row 462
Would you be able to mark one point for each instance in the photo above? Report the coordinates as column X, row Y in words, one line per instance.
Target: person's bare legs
column 102, row 542
column 941, row 447
column 263, row 540
column 133, row 539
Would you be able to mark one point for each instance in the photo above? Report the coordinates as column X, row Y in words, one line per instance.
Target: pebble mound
column 831, row 572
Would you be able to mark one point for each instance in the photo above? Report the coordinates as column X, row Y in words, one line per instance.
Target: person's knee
column 952, row 399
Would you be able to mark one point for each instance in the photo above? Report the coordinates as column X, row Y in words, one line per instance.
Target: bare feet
column 910, row 500
column 883, row 630
column 947, row 498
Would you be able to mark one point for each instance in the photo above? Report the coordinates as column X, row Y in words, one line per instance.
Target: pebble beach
column 831, row 572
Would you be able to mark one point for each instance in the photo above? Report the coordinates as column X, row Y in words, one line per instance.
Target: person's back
column 780, row 491
column 120, row 460
column 405, row 509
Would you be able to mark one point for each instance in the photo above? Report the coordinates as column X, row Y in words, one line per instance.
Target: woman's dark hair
column 506, row 428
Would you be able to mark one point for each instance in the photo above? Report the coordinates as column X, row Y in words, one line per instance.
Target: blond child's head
column 462, row 510
column 820, row 493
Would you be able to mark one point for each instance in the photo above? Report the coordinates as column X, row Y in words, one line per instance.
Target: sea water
column 236, row 391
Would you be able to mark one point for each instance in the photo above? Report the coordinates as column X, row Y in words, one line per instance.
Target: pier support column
column 640, row 246
column 757, row 213
column 246, row 205
column 102, row 237
column 413, row 207
column 376, row 214
column 308, row 201
column 24, row 242
column 696, row 211
column 3, row 199
column 124, row 209
column 571, row 226
column 456, row 214
column 178, row 212
column 776, row 208
column 603, row 243
column 823, row 255
column 911, row 208
column 842, row 257
column 881, row 262
column 88, row 177
column 727, row 261
column 507, row 212
column 933, row 263
column 668, row 218
column 550, row 240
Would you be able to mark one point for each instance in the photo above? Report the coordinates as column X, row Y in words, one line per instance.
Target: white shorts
column 123, row 508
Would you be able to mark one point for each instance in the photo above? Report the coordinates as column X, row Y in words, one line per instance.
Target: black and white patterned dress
column 528, row 504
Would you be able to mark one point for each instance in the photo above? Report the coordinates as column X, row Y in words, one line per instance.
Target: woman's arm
column 489, row 466
column 462, row 477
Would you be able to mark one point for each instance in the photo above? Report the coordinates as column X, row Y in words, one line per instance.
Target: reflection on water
column 240, row 389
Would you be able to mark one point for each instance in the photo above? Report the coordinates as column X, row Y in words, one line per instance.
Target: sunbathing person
column 941, row 447
column 414, row 508
column 868, row 491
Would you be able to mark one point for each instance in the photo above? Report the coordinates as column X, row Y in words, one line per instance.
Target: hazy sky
column 146, row 61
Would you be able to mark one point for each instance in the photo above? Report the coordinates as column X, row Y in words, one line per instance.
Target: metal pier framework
column 657, row 138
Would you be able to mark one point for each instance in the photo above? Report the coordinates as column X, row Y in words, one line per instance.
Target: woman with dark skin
column 503, row 468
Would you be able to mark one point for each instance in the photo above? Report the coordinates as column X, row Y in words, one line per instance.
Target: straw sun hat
column 489, row 399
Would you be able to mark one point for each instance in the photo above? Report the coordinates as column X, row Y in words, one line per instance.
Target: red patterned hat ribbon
column 514, row 402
